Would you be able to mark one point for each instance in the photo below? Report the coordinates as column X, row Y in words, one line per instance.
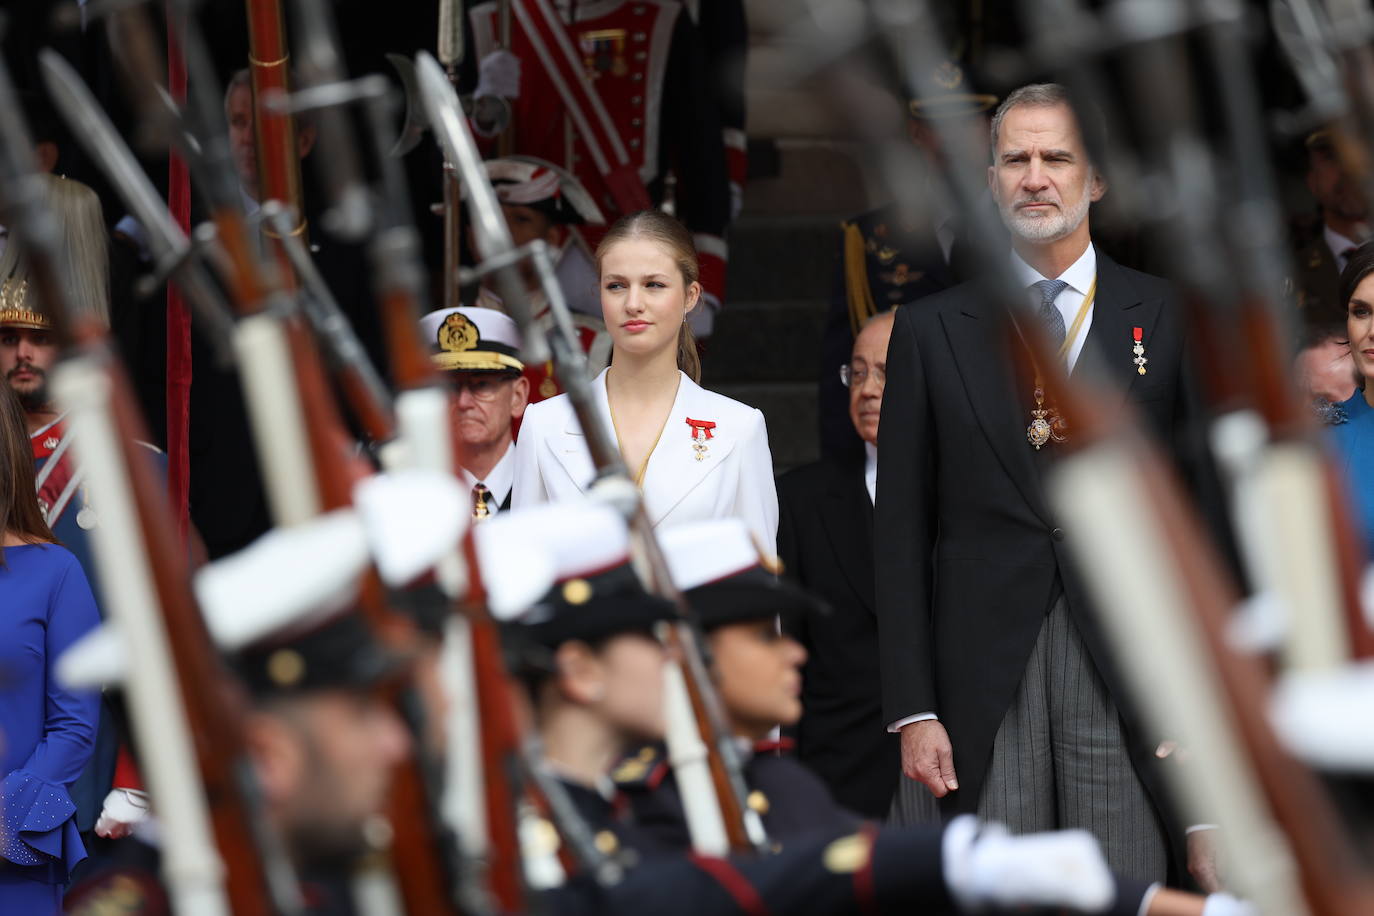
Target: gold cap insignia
column 577, row 591
column 286, row 667
column 949, row 75
column 457, row 333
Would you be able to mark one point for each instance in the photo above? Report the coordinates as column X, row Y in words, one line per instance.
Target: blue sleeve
column 70, row 716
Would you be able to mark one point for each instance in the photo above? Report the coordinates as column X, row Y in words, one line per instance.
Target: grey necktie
column 1049, row 314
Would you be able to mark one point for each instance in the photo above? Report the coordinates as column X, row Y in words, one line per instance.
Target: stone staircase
column 784, row 248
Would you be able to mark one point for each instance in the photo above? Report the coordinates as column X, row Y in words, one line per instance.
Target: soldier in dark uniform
column 1343, row 227
column 758, row 672
column 594, row 673
column 323, row 745
column 593, row 670
column 890, row 257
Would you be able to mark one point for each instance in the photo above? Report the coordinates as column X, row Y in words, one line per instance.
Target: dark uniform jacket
column 1317, row 283
column 791, row 800
column 885, row 260
column 825, row 541
column 969, row 556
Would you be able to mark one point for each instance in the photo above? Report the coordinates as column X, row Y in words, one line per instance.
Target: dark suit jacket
column 825, row 540
column 969, row 556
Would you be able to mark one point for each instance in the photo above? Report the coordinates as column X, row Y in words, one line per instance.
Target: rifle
column 696, row 717
column 279, row 165
column 1124, row 510
column 450, row 50
column 186, row 715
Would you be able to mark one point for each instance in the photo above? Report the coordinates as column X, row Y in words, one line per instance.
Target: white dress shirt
column 1339, row 245
column 498, row 482
column 871, row 471
column 1079, row 276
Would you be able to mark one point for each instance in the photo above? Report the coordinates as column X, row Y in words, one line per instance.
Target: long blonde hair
column 83, row 262
column 657, row 226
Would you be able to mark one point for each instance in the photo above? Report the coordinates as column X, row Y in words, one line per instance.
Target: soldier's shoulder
column 871, row 220
column 643, row 770
column 129, row 885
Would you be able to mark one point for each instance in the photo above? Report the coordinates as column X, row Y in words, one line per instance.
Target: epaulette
column 644, row 769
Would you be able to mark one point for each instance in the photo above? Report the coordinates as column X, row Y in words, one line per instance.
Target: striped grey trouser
column 1059, row 760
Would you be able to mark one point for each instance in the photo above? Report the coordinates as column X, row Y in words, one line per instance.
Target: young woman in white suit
column 694, row 453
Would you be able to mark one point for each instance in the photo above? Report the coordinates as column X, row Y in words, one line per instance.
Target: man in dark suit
column 1343, row 227
column 992, row 669
column 825, row 540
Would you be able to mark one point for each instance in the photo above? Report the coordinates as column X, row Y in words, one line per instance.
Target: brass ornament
column 286, row 667
column 577, row 591
column 457, row 333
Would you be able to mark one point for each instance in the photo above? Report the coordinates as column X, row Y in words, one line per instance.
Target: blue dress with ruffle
column 47, row 730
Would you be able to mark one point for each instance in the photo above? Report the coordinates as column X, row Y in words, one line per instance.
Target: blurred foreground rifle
column 450, row 51
column 220, row 857
column 269, row 64
column 1124, row 510
column 1287, row 851
column 701, row 747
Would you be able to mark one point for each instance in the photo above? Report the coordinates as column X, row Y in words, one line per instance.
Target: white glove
column 498, row 74
column 1226, row 905
column 123, row 810
column 986, row 866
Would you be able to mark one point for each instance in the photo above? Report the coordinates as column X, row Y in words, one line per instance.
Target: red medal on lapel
column 1139, row 350
column 701, row 432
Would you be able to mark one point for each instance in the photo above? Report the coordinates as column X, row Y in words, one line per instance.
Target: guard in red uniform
column 612, row 91
column 542, row 201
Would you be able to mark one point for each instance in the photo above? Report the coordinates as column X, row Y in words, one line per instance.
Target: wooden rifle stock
column 500, row 748
column 214, row 704
column 279, row 164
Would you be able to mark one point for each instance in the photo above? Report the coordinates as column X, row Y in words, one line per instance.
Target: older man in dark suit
column 991, row 667
column 825, row 540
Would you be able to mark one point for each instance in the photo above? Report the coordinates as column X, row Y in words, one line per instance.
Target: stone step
column 782, row 257
column 790, row 411
column 766, row 342
column 807, row 177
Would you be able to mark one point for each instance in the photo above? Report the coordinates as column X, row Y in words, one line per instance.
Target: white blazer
column 733, row 477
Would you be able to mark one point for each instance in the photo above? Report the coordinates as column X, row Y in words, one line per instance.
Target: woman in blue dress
column 46, row 730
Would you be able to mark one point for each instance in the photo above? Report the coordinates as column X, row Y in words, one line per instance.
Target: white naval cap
column 700, row 553
column 533, row 182
column 472, row 339
column 525, row 552
column 292, row 579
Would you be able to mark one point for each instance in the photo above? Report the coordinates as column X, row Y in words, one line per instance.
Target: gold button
column 758, row 802
column 577, row 591
column 286, row 667
column 606, row 843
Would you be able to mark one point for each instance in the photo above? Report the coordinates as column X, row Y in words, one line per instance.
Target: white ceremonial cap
column 532, row 182
column 525, row 552
column 472, row 339
column 699, row 553
column 292, row 579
